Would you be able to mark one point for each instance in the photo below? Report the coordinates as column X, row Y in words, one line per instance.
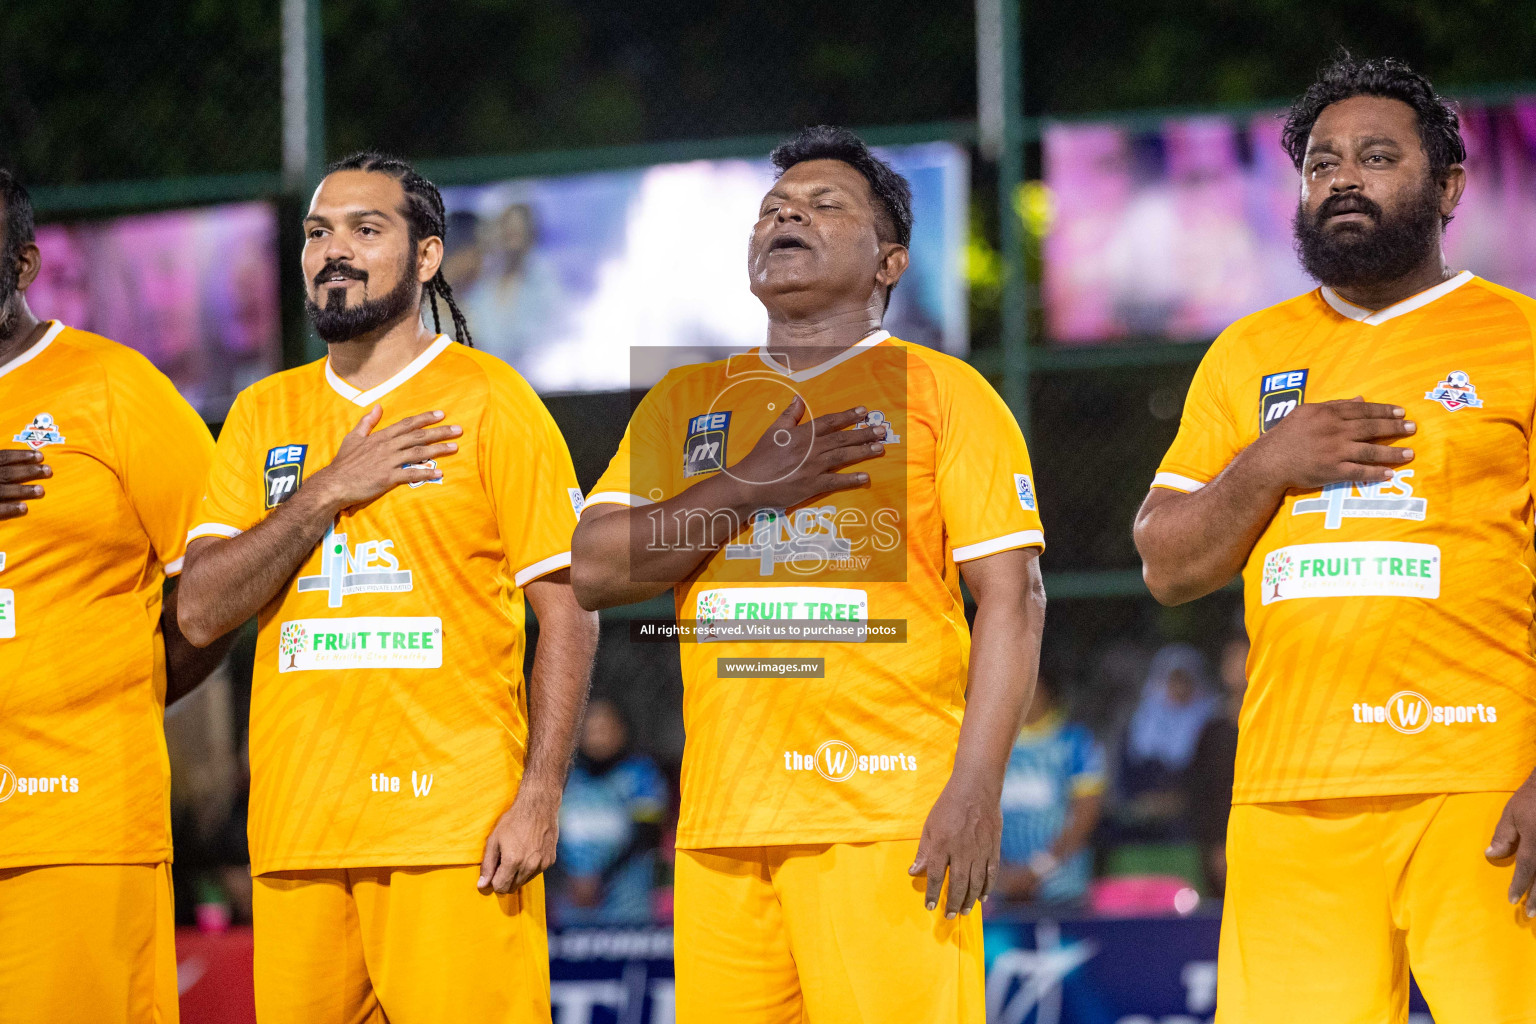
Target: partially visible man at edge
column 100, row 478
column 405, row 782
column 1389, row 728
column 821, row 815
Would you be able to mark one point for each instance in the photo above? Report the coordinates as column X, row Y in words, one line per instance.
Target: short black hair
column 1349, row 76
column 20, row 225
column 425, row 217
column 893, row 195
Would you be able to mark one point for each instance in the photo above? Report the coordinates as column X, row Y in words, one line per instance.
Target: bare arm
column 523, row 842
column 963, row 832
column 621, row 555
column 224, row 582
column 186, row 666
column 1192, row 544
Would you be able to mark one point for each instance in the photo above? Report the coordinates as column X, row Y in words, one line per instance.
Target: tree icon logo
column 291, row 641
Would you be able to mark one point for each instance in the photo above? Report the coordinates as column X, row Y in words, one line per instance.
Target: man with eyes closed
column 840, row 797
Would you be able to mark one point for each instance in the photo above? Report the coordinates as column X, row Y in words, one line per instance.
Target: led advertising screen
column 194, row 290
column 563, row 276
column 1172, row 233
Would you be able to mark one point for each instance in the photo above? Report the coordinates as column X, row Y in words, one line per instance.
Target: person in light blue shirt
column 610, row 827
column 1053, row 792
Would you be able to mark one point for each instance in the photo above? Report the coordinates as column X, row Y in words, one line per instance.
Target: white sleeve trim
column 615, row 498
column 212, row 530
column 174, row 565
column 543, row 567
column 1176, row 482
column 1022, row 539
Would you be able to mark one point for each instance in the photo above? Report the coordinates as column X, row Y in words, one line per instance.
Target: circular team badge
column 7, row 783
column 836, row 761
column 1408, row 712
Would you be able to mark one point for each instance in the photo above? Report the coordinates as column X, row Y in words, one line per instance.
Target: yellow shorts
column 821, row 934
column 403, row 945
column 1330, row 902
column 87, row 944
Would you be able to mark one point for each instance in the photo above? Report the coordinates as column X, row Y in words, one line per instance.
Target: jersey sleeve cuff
column 543, row 567
column 1177, row 482
column 614, row 498
column 213, row 530
column 981, row 549
column 173, row 567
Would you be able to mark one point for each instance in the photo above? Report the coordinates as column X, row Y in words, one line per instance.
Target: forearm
column 1005, row 656
column 225, row 582
column 621, row 555
column 1192, row 544
column 557, row 690
column 186, row 665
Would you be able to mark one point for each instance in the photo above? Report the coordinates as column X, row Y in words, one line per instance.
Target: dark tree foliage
column 165, row 87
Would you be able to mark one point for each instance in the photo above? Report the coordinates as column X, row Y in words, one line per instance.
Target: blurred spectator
column 1176, row 702
column 1052, row 794
column 1210, row 769
column 610, row 827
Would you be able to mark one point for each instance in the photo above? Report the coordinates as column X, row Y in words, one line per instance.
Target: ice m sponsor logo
column 1411, row 713
column 1279, row 395
column 704, row 448
column 370, row 568
column 837, row 761
column 283, row 472
column 1390, row 499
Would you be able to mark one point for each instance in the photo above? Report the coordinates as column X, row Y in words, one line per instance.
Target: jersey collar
column 373, row 394
column 826, row 364
column 35, row 351
column 1408, row 305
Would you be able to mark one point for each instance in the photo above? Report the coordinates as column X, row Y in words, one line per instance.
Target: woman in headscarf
column 1177, row 700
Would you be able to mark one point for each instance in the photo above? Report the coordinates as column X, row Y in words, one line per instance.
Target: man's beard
column 10, row 309
column 336, row 321
column 1392, row 247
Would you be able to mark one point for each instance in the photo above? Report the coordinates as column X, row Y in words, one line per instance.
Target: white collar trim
column 822, row 367
column 35, row 351
column 373, row 394
column 1408, row 305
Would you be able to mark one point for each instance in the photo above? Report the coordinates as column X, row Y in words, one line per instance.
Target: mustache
column 1348, row 202
column 342, row 268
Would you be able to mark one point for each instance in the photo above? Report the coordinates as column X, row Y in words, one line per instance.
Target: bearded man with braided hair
column 405, row 782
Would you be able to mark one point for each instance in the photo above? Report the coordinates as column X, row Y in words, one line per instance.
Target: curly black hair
column 425, row 217
column 1348, row 76
column 893, row 195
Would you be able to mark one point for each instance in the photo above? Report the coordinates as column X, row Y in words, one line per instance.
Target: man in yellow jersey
column 405, row 782
column 831, row 488
column 1363, row 455
column 101, row 469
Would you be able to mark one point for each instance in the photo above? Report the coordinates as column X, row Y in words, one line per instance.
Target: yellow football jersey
column 1390, row 622
column 388, row 713
column 859, row 750
column 84, row 777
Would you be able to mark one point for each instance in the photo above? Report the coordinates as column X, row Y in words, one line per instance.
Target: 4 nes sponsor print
column 1359, row 568
column 1374, row 568
column 369, row 567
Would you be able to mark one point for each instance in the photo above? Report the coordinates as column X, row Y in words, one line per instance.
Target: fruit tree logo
column 1407, row 712
column 836, row 761
column 7, row 783
column 291, row 641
